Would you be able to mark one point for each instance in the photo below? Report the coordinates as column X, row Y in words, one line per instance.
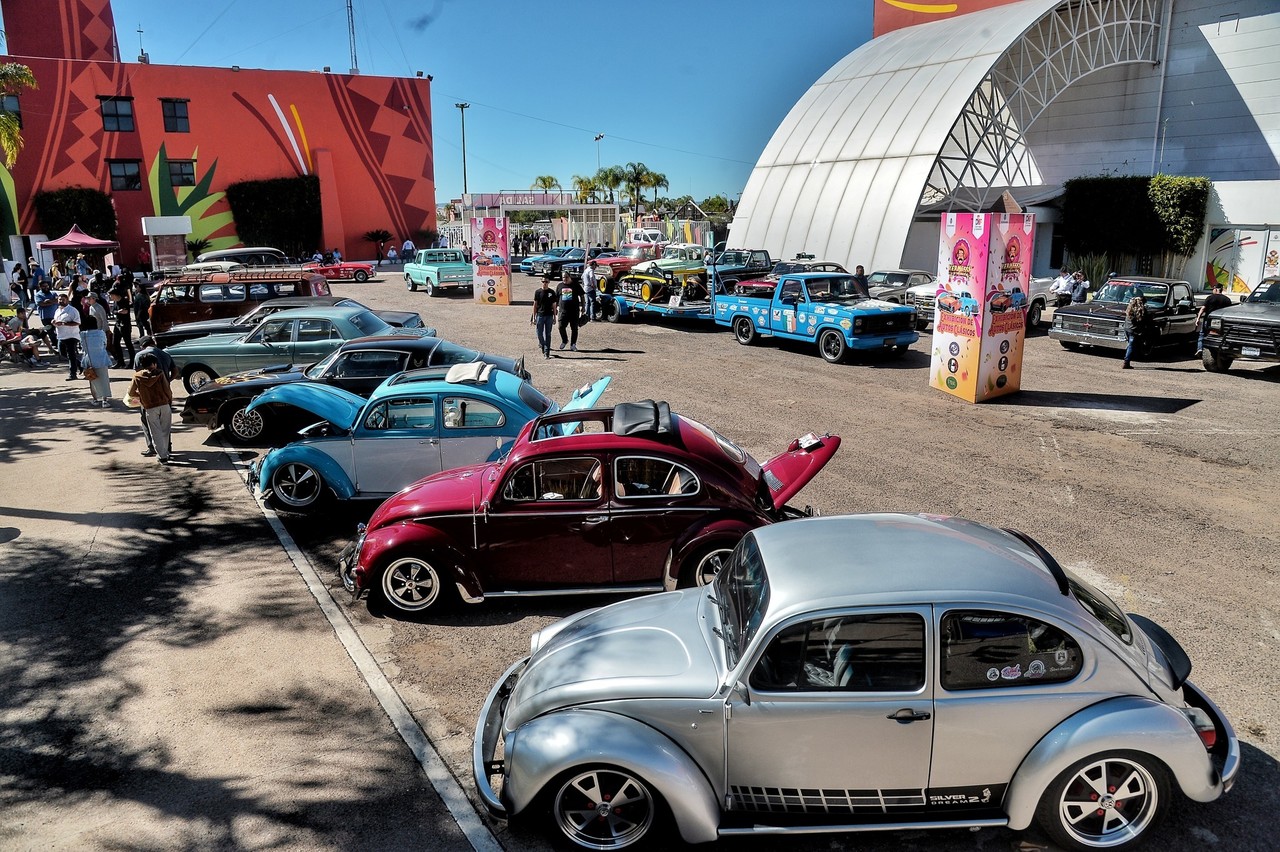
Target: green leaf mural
column 8, row 207
column 194, row 201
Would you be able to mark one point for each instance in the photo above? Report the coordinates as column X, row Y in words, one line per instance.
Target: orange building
column 167, row 140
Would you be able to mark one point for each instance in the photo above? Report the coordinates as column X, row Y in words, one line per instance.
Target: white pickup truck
column 922, row 297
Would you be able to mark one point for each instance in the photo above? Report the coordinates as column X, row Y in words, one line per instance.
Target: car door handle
column 594, row 520
column 906, row 714
column 431, row 441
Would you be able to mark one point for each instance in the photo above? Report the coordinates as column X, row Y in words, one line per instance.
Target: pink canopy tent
column 78, row 240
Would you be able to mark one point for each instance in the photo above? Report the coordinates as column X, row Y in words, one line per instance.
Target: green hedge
column 283, row 213
column 91, row 209
column 1127, row 216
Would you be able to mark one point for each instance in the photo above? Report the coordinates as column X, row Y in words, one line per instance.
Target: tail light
column 1204, row 726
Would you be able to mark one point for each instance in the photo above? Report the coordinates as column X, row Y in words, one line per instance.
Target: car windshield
column 786, row 267
column 886, row 279
column 319, row 368
column 733, row 258
column 1267, row 291
column 837, row 287
column 1121, row 292
column 741, row 590
column 637, row 253
column 369, row 324
column 1101, row 607
column 451, row 353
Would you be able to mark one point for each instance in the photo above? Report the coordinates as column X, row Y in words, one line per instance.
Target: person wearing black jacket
column 121, row 310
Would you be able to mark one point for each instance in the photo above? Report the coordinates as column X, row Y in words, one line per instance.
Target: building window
column 9, row 104
column 117, row 114
column 182, row 172
column 175, row 115
column 125, row 174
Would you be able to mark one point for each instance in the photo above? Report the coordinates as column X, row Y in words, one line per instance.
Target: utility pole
column 351, row 37
column 599, row 136
column 462, row 109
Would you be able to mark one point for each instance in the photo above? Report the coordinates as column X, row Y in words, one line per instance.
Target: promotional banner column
column 491, row 261
column 984, row 268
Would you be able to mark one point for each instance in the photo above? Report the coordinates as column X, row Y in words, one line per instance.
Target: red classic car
column 358, row 272
column 623, row 500
column 610, row 269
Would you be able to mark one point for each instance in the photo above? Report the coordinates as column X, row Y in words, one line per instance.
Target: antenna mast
column 351, row 36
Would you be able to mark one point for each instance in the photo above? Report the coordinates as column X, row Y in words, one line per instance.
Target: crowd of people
column 88, row 320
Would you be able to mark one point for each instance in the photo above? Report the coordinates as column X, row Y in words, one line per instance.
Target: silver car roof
column 852, row 560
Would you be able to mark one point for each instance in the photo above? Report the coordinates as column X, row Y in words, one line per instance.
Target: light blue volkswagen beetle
column 416, row 423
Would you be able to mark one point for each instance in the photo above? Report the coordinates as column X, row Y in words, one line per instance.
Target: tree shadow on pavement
column 87, row 735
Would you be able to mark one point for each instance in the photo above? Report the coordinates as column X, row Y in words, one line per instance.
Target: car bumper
column 193, row 417
column 888, row 341
column 487, row 736
column 349, row 559
column 1086, row 338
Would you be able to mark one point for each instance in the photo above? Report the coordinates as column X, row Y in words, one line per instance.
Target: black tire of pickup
column 410, row 283
column 745, row 331
column 1214, row 361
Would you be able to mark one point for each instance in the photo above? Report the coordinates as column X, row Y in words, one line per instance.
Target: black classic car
column 728, row 267
column 357, row 366
column 1249, row 330
column 1100, row 322
column 554, row 266
column 247, row 321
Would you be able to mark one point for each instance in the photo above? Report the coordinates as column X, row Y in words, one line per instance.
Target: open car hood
column 584, row 397
column 335, row 405
column 786, row 473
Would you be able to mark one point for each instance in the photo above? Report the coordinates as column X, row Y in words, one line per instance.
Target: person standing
column 1079, row 289
column 570, row 310
column 1061, row 288
column 1215, row 302
column 46, row 305
column 141, row 308
column 860, row 275
column 66, row 323
column 93, row 308
column 150, row 387
column 1135, row 326
column 408, row 250
column 19, row 286
column 96, row 360
column 591, row 288
column 544, row 314
column 123, row 332
column 167, row 368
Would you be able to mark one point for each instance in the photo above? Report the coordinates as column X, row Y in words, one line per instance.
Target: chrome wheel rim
column 297, row 485
column 246, row 425
column 710, row 564
column 199, row 378
column 1108, row 803
column 411, row 584
column 361, row 276
column 604, row 809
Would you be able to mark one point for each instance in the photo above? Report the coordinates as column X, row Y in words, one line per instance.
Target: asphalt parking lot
column 1157, row 484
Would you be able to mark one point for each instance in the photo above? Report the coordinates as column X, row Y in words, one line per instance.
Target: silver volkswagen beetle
column 863, row 672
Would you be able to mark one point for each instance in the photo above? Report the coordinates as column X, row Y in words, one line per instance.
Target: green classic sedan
column 299, row 336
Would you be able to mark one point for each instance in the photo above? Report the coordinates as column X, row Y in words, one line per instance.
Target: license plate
column 1251, row 352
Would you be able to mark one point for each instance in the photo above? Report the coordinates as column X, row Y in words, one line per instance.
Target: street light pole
column 599, row 136
column 462, row 109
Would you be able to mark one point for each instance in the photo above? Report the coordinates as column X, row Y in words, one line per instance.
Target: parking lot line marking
column 445, row 785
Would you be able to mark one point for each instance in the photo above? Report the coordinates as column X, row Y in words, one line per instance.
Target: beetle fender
column 725, row 530
column 1118, row 724
column 545, row 747
column 407, row 538
column 334, row 476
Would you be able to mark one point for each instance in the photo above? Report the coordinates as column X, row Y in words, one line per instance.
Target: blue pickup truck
column 829, row 309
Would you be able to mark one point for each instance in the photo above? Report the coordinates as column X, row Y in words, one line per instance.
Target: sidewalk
column 166, row 679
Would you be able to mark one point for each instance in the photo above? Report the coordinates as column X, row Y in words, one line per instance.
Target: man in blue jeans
column 1215, row 302
column 544, row 314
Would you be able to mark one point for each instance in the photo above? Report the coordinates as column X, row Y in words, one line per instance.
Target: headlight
column 857, row 325
column 1215, row 323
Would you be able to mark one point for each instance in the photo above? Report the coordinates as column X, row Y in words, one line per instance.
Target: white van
column 248, row 255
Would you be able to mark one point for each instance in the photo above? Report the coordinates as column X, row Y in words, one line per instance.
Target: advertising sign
column 491, row 260
column 984, row 271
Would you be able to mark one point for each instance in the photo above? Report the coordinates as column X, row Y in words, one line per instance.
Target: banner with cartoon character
column 491, row 260
column 984, row 268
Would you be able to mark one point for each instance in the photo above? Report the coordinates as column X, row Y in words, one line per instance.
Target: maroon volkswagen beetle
column 624, row 500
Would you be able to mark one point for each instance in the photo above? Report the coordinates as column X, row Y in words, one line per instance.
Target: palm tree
column 13, row 79
column 634, row 176
column 585, row 187
column 610, row 178
column 656, row 181
column 545, row 183
column 378, row 236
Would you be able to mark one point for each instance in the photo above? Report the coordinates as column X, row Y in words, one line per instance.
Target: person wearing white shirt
column 1061, row 288
column 590, row 277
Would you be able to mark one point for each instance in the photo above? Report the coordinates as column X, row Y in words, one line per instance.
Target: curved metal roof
column 843, row 173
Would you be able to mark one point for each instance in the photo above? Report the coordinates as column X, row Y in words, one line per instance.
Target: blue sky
column 692, row 89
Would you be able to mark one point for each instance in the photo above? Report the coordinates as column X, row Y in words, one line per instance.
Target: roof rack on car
column 1055, row 570
column 640, row 418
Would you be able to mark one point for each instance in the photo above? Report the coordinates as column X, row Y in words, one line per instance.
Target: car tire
column 361, row 276
column 921, row 324
column 576, row 796
column 1126, row 790
column 241, row 426
column 1034, row 314
column 832, row 346
column 196, row 376
column 701, row 568
column 410, row 284
column 431, row 288
column 744, row 330
column 297, row 487
column 1214, row 361
column 1069, row 344
column 612, row 312
column 412, row 584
